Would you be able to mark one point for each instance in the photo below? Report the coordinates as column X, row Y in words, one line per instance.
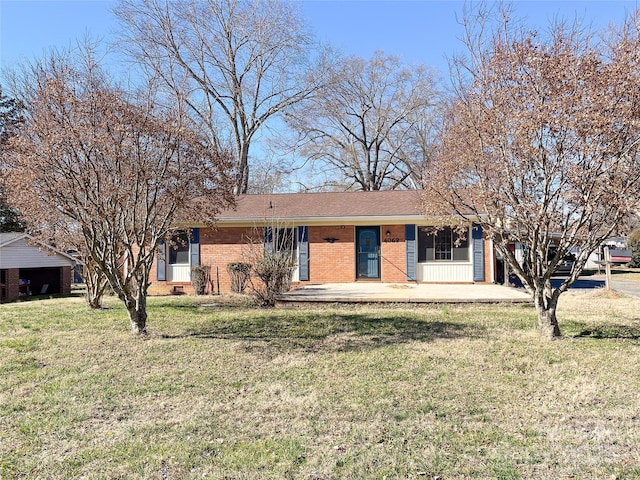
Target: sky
column 418, row 31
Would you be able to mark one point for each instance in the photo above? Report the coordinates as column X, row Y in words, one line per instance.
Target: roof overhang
column 327, row 221
column 34, row 242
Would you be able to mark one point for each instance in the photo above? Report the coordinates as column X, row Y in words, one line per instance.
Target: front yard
column 231, row 391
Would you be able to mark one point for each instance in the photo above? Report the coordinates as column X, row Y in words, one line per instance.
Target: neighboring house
column 619, row 256
column 617, row 251
column 335, row 237
column 28, row 267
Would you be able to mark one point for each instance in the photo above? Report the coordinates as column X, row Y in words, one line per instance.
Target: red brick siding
column 328, row 262
column 219, row 247
column 13, row 284
column 65, row 280
column 488, row 261
column 394, row 254
column 332, row 262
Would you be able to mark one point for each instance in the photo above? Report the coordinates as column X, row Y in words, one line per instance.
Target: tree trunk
column 137, row 309
column 95, row 292
column 548, row 323
column 242, row 174
column 138, row 320
column 96, row 284
column 547, row 320
column 94, row 301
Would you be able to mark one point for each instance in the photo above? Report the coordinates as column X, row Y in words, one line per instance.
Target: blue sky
column 419, row 31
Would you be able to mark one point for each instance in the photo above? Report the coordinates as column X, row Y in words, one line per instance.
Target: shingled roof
column 325, row 205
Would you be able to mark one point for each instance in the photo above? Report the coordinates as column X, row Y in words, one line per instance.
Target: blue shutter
column 303, row 253
column 161, row 262
column 478, row 253
column 268, row 239
column 410, row 242
column 195, row 246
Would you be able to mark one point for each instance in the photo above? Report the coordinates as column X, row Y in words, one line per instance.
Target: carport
column 29, row 267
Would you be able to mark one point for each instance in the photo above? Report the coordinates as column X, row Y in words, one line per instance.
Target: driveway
column 628, row 287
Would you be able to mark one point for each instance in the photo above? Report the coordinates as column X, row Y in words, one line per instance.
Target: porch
column 374, row 292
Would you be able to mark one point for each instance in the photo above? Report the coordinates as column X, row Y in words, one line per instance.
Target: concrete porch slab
column 370, row 292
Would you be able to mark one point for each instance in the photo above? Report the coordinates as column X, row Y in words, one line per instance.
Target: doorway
column 368, row 253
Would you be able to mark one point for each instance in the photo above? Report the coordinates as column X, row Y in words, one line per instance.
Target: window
column 281, row 240
column 442, row 245
column 284, row 240
column 179, row 249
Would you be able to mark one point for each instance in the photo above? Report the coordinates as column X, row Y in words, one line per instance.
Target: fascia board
column 315, row 221
column 319, row 221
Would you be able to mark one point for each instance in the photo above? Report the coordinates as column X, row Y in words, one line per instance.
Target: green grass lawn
column 229, row 391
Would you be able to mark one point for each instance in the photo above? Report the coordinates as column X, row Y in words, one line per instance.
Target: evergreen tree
column 10, row 120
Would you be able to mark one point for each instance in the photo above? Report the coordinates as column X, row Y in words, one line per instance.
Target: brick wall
column 329, row 262
column 394, row 254
column 65, row 280
column 13, row 284
column 219, row 247
column 332, row 262
column 488, row 254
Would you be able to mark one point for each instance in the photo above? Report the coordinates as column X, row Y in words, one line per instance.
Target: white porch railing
column 179, row 273
column 445, row 272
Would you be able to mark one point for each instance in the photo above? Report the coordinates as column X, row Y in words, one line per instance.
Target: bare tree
column 116, row 166
column 270, row 257
column 271, row 174
column 55, row 227
column 540, row 145
column 237, row 63
column 361, row 126
column 95, row 281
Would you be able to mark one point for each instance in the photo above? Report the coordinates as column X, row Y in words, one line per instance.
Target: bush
column 200, row 275
column 240, row 273
column 274, row 270
column 633, row 244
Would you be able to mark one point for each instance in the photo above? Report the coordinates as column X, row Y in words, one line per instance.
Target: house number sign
column 392, row 240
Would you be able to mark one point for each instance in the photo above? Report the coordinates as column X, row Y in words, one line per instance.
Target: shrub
column 274, row 269
column 633, row 243
column 200, row 275
column 240, row 273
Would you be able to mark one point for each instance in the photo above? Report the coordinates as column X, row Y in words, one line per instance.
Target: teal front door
column 368, row 252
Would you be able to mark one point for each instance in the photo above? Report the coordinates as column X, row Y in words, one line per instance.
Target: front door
column 368, row 252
